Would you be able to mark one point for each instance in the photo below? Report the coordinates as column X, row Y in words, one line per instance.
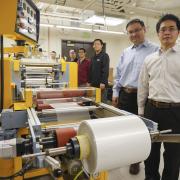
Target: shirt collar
column 81, row 61
column 175, row 48
column 99, row 53
column 145, row 44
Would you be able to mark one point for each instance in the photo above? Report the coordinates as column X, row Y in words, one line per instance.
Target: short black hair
column 100, row 40
column 133, row 21
column 166, row 17
column 53, row 52
column 82, row 49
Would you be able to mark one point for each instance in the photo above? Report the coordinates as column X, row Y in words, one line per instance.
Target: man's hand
column 102, row 86
column 88, row 84
column 115, row 101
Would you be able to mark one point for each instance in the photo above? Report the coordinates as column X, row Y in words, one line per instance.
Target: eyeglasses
column 134, row 32
column 170, row 29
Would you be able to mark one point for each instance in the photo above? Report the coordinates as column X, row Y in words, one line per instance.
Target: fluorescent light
column 60, row 15
column 46, row 25
column 82, row 29
column 73, row 28
column 110, row 32
column 109, row 21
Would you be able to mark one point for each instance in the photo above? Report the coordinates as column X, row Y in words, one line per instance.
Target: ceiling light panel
column 109, row 21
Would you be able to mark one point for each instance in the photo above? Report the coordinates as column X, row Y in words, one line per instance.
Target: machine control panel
column 27, row 21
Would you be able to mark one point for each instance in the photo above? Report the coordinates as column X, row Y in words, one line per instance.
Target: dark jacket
column 99, row 69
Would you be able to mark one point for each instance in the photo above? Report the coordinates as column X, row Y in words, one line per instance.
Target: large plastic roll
column 115, row 142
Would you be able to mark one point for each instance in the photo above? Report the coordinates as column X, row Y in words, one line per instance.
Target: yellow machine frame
column 9, row 87
column 13, row 165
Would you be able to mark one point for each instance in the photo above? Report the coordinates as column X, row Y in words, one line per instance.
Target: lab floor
column 123, row 173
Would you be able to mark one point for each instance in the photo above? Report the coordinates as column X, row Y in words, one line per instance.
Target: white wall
column 50, row 39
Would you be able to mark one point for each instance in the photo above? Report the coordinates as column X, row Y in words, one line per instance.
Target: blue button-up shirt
column 129, row 66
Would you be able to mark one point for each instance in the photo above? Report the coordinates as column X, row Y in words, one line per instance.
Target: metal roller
column 38, row 69
column 67, row 110
column 38, row 81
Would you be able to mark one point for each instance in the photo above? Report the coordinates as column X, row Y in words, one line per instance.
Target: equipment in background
column 38, row 73
column 21, row 75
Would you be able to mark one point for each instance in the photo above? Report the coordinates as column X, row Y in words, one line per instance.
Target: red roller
column 43, row 106
column 60, row 94
column 74, row 93
column 39, row 101
column 63, row 135
column 49, row 94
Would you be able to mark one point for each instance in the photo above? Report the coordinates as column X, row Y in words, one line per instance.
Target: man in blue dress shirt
column 128, row 69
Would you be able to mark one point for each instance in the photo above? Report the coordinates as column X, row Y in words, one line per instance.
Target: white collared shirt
column 159, row 78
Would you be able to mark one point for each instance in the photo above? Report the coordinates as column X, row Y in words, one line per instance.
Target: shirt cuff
column 141, row 110
column 115, row 93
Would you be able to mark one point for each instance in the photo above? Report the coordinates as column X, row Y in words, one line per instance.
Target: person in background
column 99, row 69
column 159, row 97
column 53, row 56
column 83, row 68
column 72, row 56
column 128, row 69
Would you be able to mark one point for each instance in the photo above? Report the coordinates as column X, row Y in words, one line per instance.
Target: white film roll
column 115, row 142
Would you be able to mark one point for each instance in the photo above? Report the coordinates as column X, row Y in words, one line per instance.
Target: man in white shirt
column 128, row 69
column 159, row 97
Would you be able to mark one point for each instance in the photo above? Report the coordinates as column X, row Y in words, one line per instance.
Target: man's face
column 53, row 55
column 97, row 46
column 168, row 33
column 81, row 54
column 136, row 33
column 72, row 55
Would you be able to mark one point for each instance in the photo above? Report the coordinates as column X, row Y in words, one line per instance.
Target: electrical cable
column 78, row 174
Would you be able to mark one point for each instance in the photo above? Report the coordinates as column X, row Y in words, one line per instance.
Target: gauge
column 28, row 10
column 24, row 6
column 32, row 13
